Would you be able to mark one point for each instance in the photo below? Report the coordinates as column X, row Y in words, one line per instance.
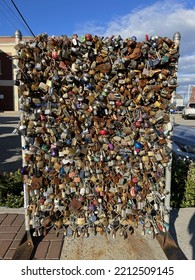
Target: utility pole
column 191, row 93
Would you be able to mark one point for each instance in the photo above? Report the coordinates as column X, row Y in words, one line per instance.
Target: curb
column 7, row 210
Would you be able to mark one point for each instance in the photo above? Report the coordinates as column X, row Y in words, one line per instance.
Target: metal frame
column 176, row 39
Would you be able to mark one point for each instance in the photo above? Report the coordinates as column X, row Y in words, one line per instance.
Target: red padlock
column 137, row 124
column 118, row 103
column 43, row 117
column 88, row 37
column 54, row 55
column 103, row 132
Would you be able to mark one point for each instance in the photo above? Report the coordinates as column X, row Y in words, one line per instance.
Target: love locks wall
column 96, row 132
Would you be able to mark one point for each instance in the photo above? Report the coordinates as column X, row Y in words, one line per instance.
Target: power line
column 7, row 18
column 13, row 16
column 23, row 18
column 12, row 12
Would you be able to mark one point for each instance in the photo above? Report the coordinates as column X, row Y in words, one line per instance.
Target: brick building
column 192, row 96
column 8, row 70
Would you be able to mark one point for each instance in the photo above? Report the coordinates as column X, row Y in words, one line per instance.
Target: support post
column 176, row 40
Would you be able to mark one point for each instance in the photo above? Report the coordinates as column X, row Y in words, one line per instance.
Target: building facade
column 8, row 71
column 179, row 100
column 192, row 96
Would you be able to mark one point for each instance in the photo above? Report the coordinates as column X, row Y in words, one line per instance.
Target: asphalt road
column 10, row 144
column 179, row 120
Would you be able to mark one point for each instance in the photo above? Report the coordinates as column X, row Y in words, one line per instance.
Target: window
column 192, row 105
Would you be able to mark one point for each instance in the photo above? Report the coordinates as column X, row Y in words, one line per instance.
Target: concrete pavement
column 182, row 229
column 179, row 120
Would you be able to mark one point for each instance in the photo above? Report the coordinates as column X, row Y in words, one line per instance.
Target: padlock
column 99, row 107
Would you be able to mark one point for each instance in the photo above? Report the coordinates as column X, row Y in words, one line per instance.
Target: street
column 179, row 120
column 10, row 144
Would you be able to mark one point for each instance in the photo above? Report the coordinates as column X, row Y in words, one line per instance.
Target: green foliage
column 11, row 189
column 189, row 194
column 182, row 183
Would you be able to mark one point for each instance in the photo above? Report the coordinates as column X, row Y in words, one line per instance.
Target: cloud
column 187, row 64
column 93, row 27
column 163, row 18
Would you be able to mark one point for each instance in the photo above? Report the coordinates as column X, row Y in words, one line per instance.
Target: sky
column 126, row 18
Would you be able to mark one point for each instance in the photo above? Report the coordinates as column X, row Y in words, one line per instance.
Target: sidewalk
column 182, row 229
column 12, row 234
column 51, row 247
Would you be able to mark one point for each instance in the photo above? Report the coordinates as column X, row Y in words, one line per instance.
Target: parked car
column 172, row 108
column 189, row 111
column 184, row 142
column 179, row 109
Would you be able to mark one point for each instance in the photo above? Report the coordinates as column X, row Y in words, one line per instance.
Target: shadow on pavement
column 9, row 120
column 178, row 254
column 10, row 154
column 169, row 246
column 191, row 230
column 174, row 214
column 10, row 145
